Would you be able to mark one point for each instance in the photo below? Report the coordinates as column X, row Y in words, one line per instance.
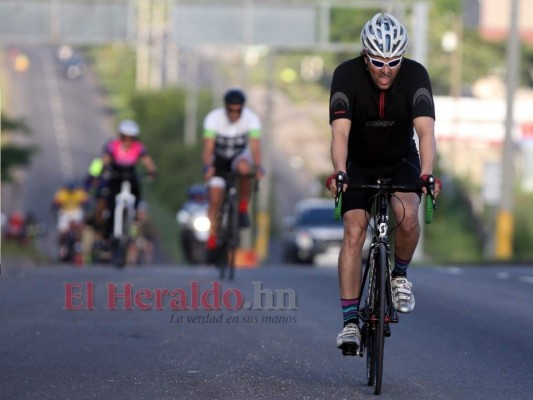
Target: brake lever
column 430, row 186
column 339, row 181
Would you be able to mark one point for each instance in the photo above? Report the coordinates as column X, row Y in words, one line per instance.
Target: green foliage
column 115, row 66
column 12, row 125
column 346, row 23
column 11, row 154
column 523, row 230
column 161, row 118
column 455, row 234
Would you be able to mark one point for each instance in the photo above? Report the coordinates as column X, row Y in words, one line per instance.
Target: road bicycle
column 123, row 222
column 228, row 232
column 378, row 312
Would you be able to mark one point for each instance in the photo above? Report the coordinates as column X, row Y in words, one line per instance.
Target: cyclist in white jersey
column 232, row 142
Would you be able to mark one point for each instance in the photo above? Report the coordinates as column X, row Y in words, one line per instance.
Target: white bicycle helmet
column 128, row 127
column 384, row 36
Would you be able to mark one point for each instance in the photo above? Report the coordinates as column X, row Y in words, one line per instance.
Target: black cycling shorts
column 405, row 172
column 223, row 166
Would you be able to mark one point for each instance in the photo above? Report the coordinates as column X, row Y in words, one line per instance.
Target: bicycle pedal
column 350, row 349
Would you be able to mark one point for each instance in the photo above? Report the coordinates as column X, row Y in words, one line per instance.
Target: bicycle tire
column 222, row 259
column 370, row 369
column 121, row 244
column 370, row 311
column 233, row 241
column 221, row 253
column 379, row 348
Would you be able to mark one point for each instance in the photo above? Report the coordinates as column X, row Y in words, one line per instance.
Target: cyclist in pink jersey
column 121, row 156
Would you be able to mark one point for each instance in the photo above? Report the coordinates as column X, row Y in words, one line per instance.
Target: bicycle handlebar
column 384, row 185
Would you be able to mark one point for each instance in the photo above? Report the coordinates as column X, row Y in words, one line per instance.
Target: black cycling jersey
column 382, row 120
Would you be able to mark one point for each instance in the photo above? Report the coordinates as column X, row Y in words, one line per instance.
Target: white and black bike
column 123, row 221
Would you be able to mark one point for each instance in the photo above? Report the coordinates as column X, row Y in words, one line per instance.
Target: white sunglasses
column 381, row 64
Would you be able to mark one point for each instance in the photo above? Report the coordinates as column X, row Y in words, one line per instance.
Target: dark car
column 74, row 67
column 312, row 235
column 72, row 63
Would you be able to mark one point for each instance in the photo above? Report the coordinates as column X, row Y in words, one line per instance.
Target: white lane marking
column 58, row 119
column 454, row 270
column 503, row 275
column 526, row 279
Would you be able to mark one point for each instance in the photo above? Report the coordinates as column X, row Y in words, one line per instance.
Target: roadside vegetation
column 456, row 234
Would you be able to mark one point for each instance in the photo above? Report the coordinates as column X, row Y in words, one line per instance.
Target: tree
column 11, row 154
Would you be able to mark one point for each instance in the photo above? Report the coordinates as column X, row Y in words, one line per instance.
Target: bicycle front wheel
column 120, row 246
column 379, row 338
column 233, row 242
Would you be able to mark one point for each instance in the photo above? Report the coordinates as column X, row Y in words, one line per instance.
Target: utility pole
column 265, row 194
column 142, row 77
column 504, row 219
column 420, row 31
column 191, row 100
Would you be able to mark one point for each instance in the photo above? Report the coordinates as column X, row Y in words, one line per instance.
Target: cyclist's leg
column 356, row 208
column 216, row 186
column 216, row 195
column 350, row 257
column 405, row 207
column 136, row 190
column 242, row 164
column 355, row 220
column 62, row 225
column 62, row 232
column 114, row 189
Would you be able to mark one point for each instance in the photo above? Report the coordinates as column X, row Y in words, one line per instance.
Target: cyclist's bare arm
column 425, row 129
column 255, row 149
column 340, row 130
column 106, row 159
column 149, row 163
column 207, row 155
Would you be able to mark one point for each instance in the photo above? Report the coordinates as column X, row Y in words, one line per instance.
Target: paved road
column 469, row 337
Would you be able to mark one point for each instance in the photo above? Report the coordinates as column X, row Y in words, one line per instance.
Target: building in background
column 494, row 16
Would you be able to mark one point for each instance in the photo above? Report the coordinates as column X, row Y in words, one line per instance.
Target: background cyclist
column 231, row 143
column 122, row 155
column 376, row 100
column 69, row 202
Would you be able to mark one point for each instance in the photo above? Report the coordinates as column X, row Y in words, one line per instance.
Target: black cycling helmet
column 234, row 96
column 197, row 192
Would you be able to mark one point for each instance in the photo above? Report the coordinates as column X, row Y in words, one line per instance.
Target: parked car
column 312, row 233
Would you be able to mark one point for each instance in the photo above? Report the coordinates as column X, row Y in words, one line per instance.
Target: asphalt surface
column 468, row 338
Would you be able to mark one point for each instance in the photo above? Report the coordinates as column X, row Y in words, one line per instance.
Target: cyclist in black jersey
column 376, row 101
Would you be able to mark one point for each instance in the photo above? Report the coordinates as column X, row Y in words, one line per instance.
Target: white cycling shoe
column 402, row 294
column 349, row 340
